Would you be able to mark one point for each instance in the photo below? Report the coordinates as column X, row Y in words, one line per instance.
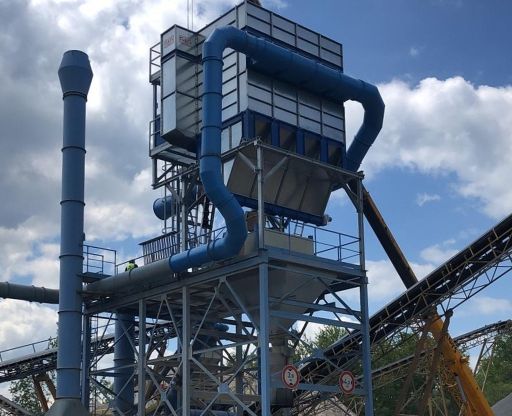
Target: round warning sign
column 290, row 376
column 347, row 382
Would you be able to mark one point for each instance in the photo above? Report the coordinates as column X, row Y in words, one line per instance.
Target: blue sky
column 409, row 41
column 413, row 39
column 438, row 171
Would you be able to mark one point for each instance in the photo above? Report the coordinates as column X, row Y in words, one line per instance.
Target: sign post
column 290, row 376
column 347, row 382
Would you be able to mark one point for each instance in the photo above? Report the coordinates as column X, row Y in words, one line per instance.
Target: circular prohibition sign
column 290, row 376
column 347, row 382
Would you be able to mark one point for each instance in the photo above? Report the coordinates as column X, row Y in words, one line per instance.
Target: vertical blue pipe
column 75, row 77
column 124, row 360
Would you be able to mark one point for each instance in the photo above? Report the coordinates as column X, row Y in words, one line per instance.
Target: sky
column 438, row 171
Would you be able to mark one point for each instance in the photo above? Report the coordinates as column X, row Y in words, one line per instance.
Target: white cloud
column 485, row 305
column 277, row 4
column 442, row 127
column 423, row 198
column 4, row 390
column 339, row 198
column 118, row 195
column 27, row 322
column 414, row 51
column 439, row 253
column 384, row 282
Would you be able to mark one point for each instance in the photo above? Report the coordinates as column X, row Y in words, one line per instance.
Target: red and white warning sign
column 347, row 382
column 290, row 376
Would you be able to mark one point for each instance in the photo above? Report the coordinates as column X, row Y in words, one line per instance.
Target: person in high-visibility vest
column 131, row 265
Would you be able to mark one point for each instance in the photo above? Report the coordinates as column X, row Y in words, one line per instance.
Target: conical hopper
column 284, row 283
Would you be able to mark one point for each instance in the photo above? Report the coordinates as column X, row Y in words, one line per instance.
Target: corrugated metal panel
column 245, row 88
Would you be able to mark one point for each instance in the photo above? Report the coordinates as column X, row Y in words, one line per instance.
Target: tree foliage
column 325, row 337
column 498, row 382
column 397, row 347
column 23, row 393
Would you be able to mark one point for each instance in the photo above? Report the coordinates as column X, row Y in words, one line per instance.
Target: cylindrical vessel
column 164, row 208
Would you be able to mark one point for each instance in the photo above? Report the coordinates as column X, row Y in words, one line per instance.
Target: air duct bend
column 311, row 73
column 210, row 167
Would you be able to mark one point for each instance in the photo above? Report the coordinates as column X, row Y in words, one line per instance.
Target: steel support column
column 185, row 353
column 261, row 201
column 264, row 341
column 124, row 360
column 141, row 362
column 86, row 362
column 365, row 322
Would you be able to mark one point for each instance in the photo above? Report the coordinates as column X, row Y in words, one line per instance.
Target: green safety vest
column 130, row 266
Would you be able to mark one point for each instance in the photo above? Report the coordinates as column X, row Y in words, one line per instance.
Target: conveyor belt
column 476, row 337
column 478, row 257
column 44, row 361
column 464, row 342
column 12, row 408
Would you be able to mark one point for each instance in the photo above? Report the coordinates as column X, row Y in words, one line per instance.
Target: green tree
column 327, row 336
column 23, row 393
column 498, row 383
column 397, row 347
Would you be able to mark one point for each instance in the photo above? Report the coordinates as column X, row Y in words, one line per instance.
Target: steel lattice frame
column 469, row 272
column 233, row 368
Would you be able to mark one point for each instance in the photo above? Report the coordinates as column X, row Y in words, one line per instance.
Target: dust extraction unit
column 247, row 143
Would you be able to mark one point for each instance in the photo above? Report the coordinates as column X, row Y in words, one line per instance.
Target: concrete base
column 67, row 407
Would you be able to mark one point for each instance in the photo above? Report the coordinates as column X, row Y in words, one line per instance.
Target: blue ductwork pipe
column 30, row 293
column 75, row 77
column 308, row 73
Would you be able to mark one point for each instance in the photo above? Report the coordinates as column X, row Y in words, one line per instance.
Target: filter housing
column 254, row 96
column 259, row 102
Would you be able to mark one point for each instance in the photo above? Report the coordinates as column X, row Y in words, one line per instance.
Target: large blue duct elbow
column 210, row 170
column 281, row 59
column 368, row 95
column 308, row 73
column 278, row 60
